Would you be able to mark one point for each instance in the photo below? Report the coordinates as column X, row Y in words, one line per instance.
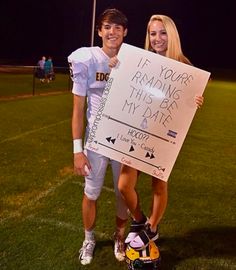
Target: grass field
column 21, row 81
column 40, row 198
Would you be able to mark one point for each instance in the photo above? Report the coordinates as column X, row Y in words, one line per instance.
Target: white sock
column 89, row 235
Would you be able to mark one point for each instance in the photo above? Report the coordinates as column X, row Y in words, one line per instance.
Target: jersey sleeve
column 79, row 64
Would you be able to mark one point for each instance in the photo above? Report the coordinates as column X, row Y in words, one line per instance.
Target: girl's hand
column 199, row 101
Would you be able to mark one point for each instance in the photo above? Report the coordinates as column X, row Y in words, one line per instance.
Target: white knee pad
column 91, row 192
column 94, row 181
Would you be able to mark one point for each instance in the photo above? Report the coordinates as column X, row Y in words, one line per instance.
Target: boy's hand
column 113, row 62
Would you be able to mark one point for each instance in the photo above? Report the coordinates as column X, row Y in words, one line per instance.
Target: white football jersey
column 89, row 72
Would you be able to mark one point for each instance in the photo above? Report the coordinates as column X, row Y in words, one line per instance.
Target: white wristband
column 77, row 146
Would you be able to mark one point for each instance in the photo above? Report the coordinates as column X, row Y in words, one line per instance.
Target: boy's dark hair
column 112, row 15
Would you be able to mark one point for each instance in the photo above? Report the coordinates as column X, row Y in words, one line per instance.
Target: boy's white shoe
column 86, row 252
column 119, row 248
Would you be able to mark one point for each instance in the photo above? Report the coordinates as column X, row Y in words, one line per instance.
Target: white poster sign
column 146, row 110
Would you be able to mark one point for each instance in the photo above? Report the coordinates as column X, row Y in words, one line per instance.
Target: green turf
column 26, row 84
column 40, row 198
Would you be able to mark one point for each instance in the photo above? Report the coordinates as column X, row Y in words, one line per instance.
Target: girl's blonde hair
column 174, row 50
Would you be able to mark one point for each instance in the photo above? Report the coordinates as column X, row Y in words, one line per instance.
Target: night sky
column 30, row 29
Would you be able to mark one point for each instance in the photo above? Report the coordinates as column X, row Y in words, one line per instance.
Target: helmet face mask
column 148, row 258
